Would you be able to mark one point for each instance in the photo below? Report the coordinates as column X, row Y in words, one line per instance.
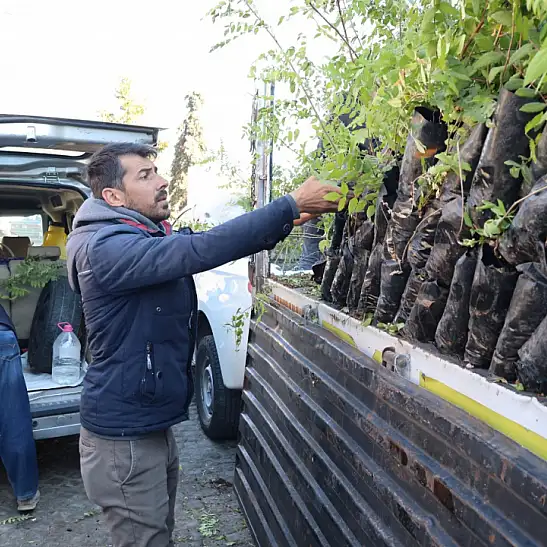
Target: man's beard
column 156, row 213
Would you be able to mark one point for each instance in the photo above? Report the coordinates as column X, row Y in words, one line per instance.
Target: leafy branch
column 31, row 272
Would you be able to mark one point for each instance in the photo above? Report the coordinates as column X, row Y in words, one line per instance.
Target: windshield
column 23, row 226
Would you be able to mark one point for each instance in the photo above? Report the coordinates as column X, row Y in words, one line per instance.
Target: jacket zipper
column 148, row 356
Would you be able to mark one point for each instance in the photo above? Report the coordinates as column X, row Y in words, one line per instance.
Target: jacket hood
column 94, row 214
column 97, row 210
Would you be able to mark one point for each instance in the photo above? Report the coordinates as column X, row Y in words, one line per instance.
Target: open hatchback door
column 42, row 186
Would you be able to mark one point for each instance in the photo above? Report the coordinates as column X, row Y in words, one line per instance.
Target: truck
column 351, row 433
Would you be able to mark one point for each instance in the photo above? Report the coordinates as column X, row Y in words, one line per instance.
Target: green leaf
column 526, row 93
column 521, row 53
column 514, row 83
column 537, row 67
column 495, row 71
column 467, row 220
column 449, row 10
column 333, row 196
column 352, row 206
column 535, row 122
column 533, row 107
column 342, row 203
column 344, row 188
column 371, row 211
column 490, row 58
column 323, row 245
column 504, row 18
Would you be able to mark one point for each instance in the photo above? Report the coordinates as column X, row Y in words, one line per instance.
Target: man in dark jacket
column 140, row 305
column 17, row 448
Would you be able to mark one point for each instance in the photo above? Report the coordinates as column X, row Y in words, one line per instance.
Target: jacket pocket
column 148, row 380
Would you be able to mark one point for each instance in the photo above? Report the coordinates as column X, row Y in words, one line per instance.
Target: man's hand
column 310, row 197
column 305, row 217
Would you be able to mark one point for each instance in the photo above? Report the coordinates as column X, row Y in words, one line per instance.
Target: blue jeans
column 17, row 447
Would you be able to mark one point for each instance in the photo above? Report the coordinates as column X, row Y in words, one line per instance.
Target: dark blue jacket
column 140, row 307
column 5, row 321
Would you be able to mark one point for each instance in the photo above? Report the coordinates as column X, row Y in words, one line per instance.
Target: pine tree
column 130, row 111
column 189, row 150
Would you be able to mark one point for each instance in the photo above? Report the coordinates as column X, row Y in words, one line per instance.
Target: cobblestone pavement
column 207, row 511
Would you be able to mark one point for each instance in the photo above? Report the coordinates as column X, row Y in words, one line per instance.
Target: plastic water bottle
column 65, row 368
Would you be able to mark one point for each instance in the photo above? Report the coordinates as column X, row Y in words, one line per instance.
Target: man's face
column 143, row 190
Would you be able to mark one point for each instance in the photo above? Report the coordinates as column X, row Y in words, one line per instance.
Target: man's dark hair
column 105, row 168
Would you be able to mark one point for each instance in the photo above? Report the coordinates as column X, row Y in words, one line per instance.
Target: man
column 17, row 448
column 140, row 304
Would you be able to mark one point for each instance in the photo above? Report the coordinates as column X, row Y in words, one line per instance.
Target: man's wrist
column 294, row 206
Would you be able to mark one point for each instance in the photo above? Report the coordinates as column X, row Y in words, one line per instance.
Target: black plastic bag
column 470, row 153
column 506, row 141
column 413, row 286
column 491, row 293
column 523, row 241
column 421, row 243
column 539, row 167
column 331, row 267
column 360, row 245
column 334, row 255
column 360, row 267
column 394, row 279
column 426, row 312
column 446, row 251
column 370, row 290
column 427, row 137
column 452, row 330
column 532, row 363
column 527, row 310
column 342, row 277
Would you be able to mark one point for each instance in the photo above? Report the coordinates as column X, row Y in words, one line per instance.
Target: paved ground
column 207, row 510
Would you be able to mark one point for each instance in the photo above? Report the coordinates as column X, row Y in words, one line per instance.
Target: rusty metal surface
column 335, row 450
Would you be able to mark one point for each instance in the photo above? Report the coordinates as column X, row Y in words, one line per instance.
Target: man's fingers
column 305, row 217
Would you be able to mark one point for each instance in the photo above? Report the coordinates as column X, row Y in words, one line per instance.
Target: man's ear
column 114, row 197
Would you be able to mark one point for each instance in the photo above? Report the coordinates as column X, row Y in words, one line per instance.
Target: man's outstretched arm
column 122, row 258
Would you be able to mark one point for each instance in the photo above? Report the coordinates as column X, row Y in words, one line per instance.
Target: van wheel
column 57, row 303
column 218, row 406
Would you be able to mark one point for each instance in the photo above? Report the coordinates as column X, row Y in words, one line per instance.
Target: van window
column 19, row 226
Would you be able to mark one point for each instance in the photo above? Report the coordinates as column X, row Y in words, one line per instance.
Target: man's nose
column 163, row 183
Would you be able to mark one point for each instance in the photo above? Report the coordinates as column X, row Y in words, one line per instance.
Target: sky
column 63, row 60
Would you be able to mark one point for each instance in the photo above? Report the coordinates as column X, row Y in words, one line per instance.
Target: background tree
column 129, row 110
column 190, row 150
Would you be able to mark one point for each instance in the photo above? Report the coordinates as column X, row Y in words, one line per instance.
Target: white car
column 224, row 304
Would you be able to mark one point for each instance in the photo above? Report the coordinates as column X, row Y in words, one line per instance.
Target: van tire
column 58, row 303
column 218, row 408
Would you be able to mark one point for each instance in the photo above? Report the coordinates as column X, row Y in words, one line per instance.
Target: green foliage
column 493, row 228
column 129, row 110
column 392, row 56
column 258, row 308
column 390, row 328
column 189, row 150
column 30, row 273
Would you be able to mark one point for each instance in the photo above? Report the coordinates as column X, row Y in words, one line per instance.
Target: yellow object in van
column 56, row 237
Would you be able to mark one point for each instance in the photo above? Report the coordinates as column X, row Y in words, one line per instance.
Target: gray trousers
column 135, row 484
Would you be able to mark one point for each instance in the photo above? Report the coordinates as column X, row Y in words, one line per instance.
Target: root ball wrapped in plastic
column 527, row 310
column 493, row 286
column 421, row 243
column 370, row 290
column 452, row 330
column 394, row 278
column 532, row 362
column 523, row 241
column 413, row 286
column 506, row 141
column 447, row 248
column 360, row 245
column 334, row 256
column 426, row 312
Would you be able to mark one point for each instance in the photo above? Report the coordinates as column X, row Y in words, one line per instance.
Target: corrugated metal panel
column 336, row 451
